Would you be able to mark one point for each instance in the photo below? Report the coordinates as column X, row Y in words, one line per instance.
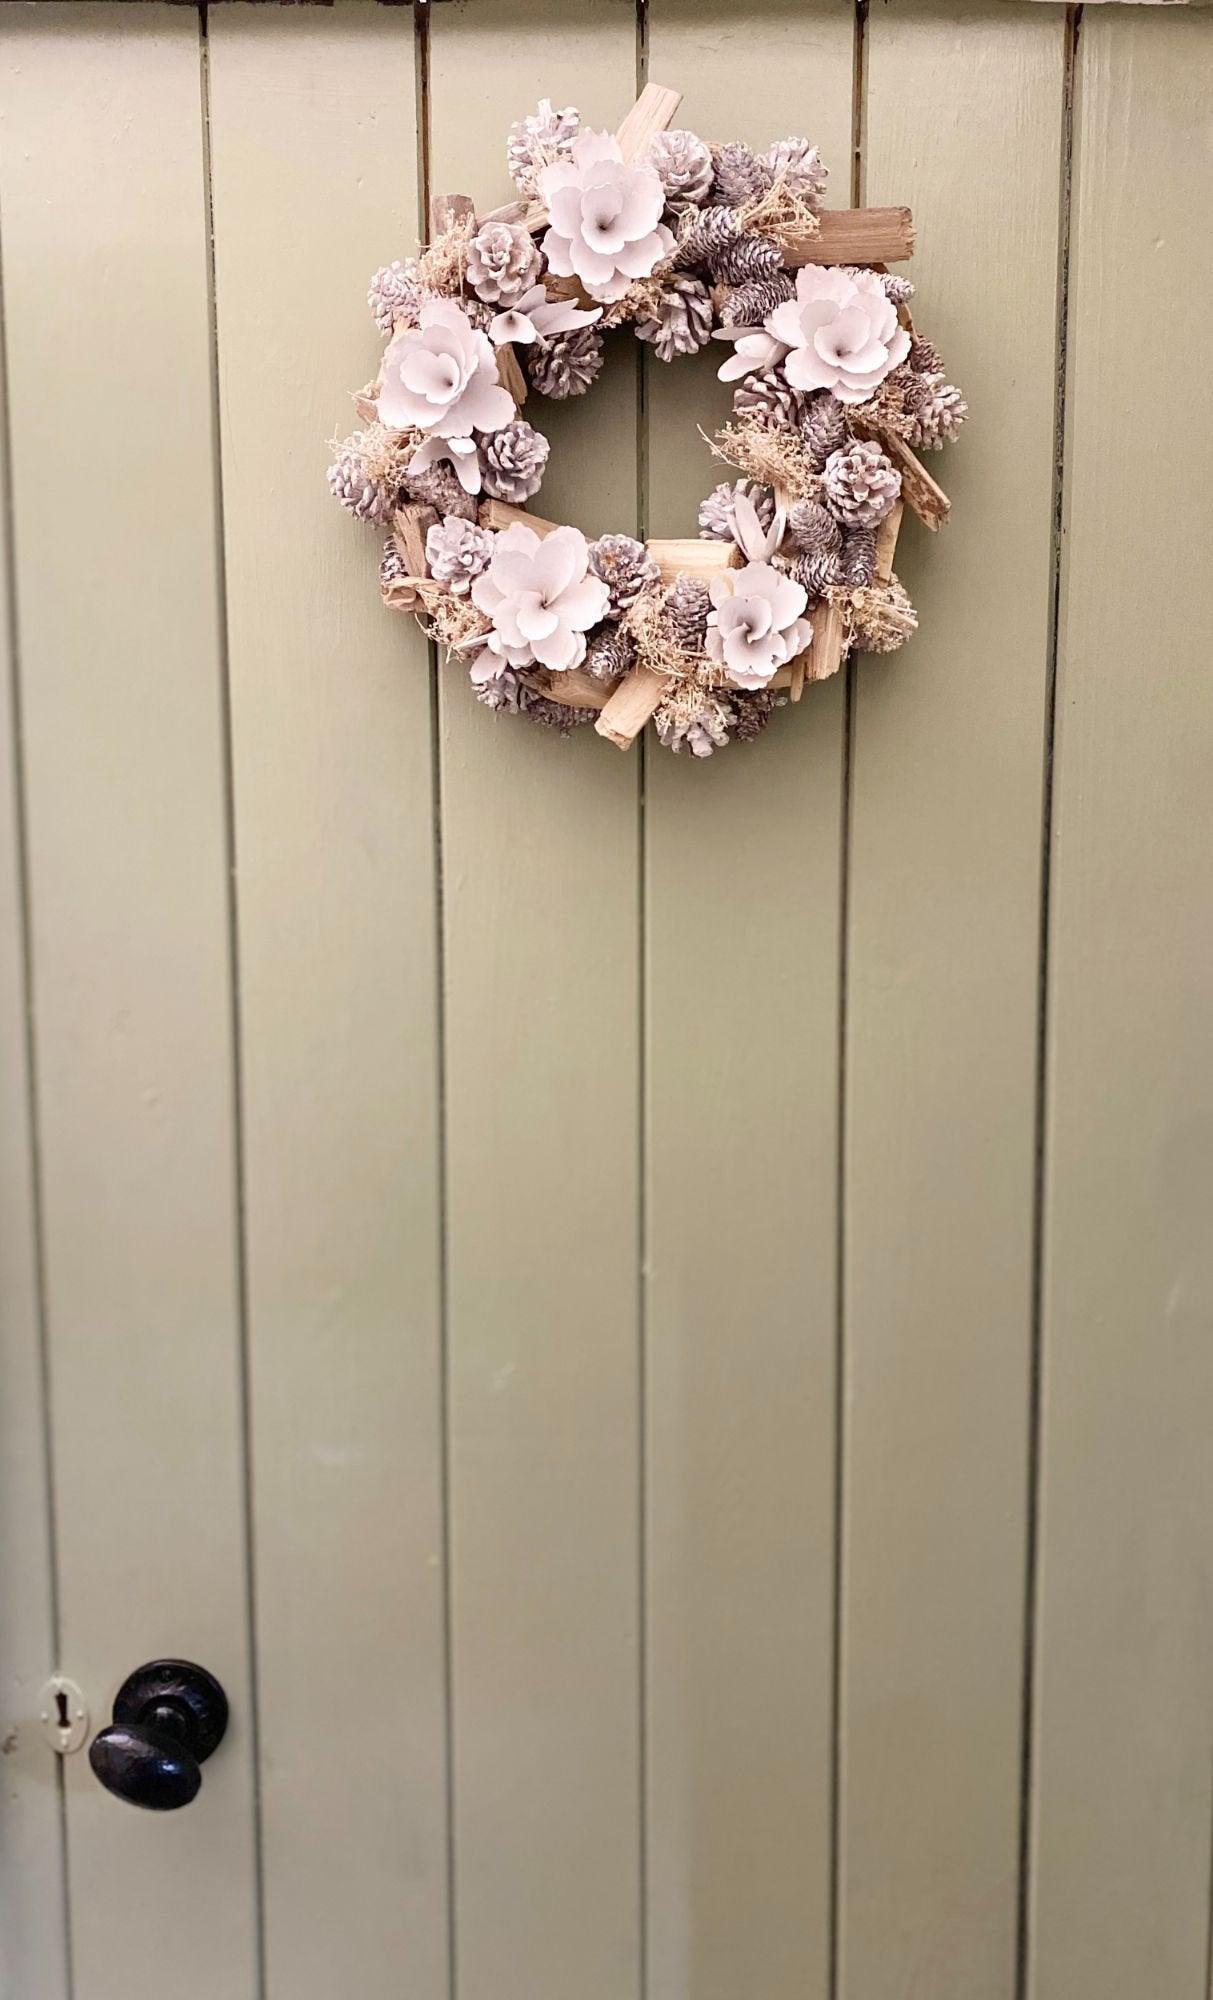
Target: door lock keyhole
column 63, row 1715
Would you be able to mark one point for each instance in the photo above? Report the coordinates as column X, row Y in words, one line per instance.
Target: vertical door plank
column 33, row 1913
column 313, row 148
column 540, row 851
column 941, row 1036
column 1120, row 1856
column 101, row 186
column 743, row 857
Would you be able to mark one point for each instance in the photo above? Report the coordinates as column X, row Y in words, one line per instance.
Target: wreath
column 688, row 242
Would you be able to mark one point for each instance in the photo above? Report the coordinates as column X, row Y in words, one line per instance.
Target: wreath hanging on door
column 688, row 242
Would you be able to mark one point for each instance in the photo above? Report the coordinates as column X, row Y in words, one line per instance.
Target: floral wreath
column 690, row 242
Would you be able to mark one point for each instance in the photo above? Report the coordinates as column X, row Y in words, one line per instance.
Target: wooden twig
column 448, row 209
column 629, row 708
column 503, row 514
column 824, row 656
column 411, row 524
column 577, row 689
column 510, row 375
column 856, row 236
column 886, row 542
column 693, row 557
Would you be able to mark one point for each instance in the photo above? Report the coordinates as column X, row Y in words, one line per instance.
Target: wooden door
column 651, row 1322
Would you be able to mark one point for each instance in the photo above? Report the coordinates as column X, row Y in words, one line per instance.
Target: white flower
column 540, row 599
column 441, row 377
column 755, row 626
column 605, row 216
column 755, row 352
column 842, row 331
column 463, row 453
column 534, row 316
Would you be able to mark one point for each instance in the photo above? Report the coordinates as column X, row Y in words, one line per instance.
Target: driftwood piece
column 886, row 542
column 629, row 708
column 922, row 494
column 503, row 514
column 577, row 689
column 448, row 209
column 856, row 236
column 510, row 375
column 652, row 112
column 693, row 557
column 411, row 523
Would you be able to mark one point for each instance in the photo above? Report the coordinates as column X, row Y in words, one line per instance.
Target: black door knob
column 168, row 1717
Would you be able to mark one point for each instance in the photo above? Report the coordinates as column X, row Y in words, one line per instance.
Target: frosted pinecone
column 859, row 558
column 686, row 607
column 359, row 491
column 534, row 143
column 768, row 400
column 683, row 165
column 503, row 693
column 704, row 238
column 812, row 529
column 610, row 652
column 753, row 712
column 824, row 428
column 514, row 458
column 739, row 176
column 502, row 261
column 565, row 364
column 747, row 259
column 438, row 487
column 716, row 518
column 392, row 565
column 937, row 412
column 456, row 552
column 860, row 484
column 818, row 573
column 900, row 290
column 701, row 729
column 394, row 294
column 798, row 166
column 749, row 304
column 625, row 566
column 683, row 321
column 925, row 357
column 550, row 714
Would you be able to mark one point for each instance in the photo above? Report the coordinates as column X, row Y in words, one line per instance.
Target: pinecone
column 750, row 304
column 860, row 484
column 611, row 651
column 739, row 176
column 394, row 294
column 747, row 259
column 798, row 166
column 686, row 608
column 768, row 400
column 358, row 491
column 392, row 565
column 549, row 714
column 938, row 411
column 705, row 237
column 812, row 529
column 625, row 566
column 683, row 323
column 824, row 428
column 566, row 363
column 753, row 712
column 700, row 725
column 534, row 143
column 818, row 573
column 437, row 486
column 859, row 558
column 716, row 521
column 925, row 358
column 503, row 693
column 502, row 261
column 883, row 618
column 683, row 165
column 456, row 552
column 899, row 290
column 514, row 459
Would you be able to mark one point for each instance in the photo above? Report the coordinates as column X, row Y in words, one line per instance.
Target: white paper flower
column 463, row 454
column 441, row 377
column 755, row 626
column 755, row 352
column 540, row 598
column 842, row 332
column 606, row 226
column 535, row 316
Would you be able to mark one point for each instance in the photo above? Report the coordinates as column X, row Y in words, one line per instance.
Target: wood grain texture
column 941, row 1038
column 541, row 923
column 313, row 148
column 1120, row 1857
column 742, row 998
column 101, row 174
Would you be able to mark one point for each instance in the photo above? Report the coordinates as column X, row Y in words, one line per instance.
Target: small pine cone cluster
column 797, row 166
column 686, row 607
column 533, row 143
column 394, row 294
column 747, row 260
column 925, row 358
column 610, row 652
column 823, row 429
column 683, row 320
column 503, row 692
column 701, row 728
column 860, row 484
column 748, row 305
column 899, row 290
column 502, row 261
column 683, row 165
column 565, row 363
column 812, row 529
column 753, row 712
column 705, row 238
column 717, row 520
column 859, row 558
column 457, row 552
column 883, row 618
column 437, row 486
column 626, row 568
column 770, row 401
column 392, row 565
column 513, row 461
column 739, row 176
column 356, row 488
column 936, row 412
column 819, row 573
